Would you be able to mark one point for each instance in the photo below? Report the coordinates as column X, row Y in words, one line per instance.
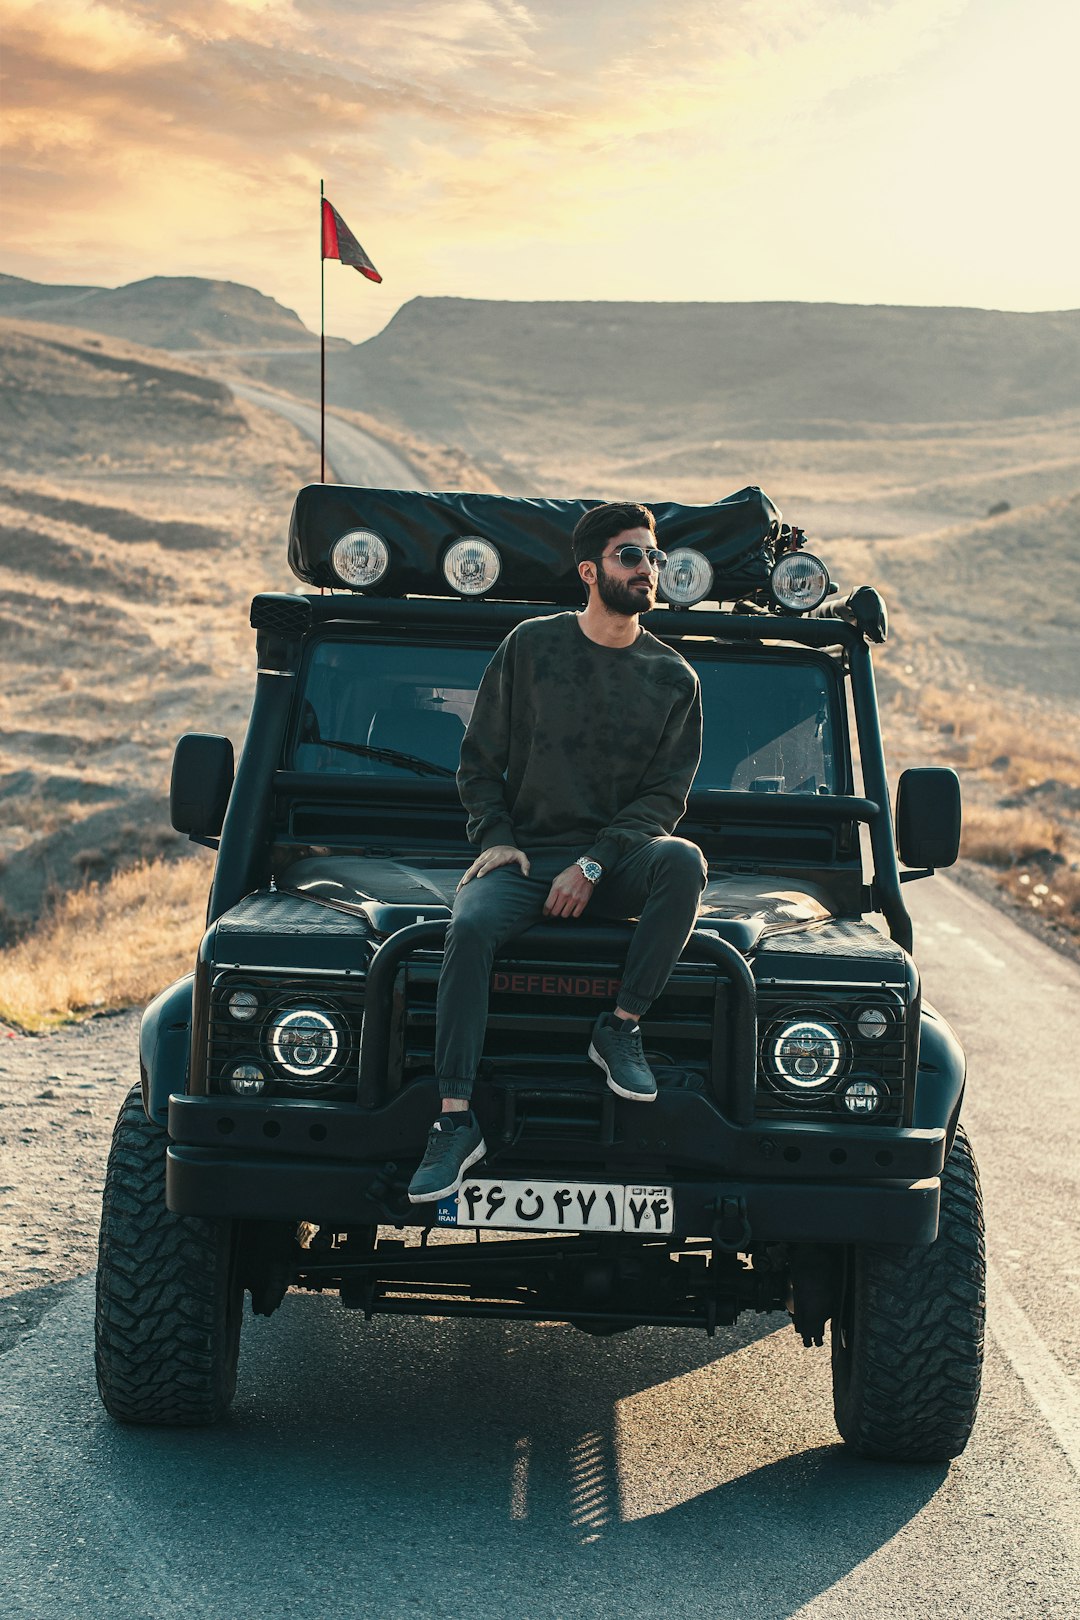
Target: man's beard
column 619, row 597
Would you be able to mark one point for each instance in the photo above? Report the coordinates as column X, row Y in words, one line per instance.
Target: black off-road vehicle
column 804, row 1153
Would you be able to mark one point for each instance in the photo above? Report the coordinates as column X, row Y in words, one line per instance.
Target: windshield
column 374, row 708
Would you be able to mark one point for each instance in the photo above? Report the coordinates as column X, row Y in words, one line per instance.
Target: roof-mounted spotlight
column 799, row 581
column 688, row 577
column 360, row 558
column 472, row 566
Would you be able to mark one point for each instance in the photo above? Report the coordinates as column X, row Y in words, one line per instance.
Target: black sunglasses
column 630, row 556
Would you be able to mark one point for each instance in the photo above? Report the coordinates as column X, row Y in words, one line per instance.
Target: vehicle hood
column 392, row 892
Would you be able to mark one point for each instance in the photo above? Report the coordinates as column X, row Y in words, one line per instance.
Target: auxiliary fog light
column 360, row 558
column 799, row 581
column 807, row 1054
column 243, row 1005
column 872, row 1023
column 862, row 1097
column 687, row 578
column 305, row 1042
column 246, row 1079
column 472, row 566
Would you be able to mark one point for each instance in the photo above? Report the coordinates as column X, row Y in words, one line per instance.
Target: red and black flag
column 338, row 242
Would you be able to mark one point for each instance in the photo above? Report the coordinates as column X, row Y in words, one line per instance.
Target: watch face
column 592, row 870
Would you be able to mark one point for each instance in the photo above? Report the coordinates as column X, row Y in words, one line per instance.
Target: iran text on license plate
column 560, row 1206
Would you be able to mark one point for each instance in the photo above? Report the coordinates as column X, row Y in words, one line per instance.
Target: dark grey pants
column 660, row 884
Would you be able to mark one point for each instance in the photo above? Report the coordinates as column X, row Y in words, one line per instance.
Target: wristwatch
column 592, row 869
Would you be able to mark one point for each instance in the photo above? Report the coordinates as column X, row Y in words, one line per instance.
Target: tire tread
column 167, row 1314
column 908, row 1388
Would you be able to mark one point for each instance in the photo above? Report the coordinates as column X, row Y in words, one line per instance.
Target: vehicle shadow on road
column 547, row 1470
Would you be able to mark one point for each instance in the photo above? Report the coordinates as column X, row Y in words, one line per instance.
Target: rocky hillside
column 170, row 312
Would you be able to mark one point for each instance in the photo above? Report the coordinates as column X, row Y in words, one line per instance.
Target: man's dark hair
column 603, row 523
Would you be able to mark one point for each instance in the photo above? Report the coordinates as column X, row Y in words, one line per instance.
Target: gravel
column 60, row 1094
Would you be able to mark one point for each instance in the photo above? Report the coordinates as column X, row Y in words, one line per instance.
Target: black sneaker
column 451, row 1149
column 616, row 1047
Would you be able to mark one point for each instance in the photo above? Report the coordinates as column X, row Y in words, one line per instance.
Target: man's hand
column 569, row 894
column 497, row 855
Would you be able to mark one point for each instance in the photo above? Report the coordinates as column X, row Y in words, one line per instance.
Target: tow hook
column 731, row 1226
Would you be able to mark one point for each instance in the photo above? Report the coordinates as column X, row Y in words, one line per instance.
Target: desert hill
column 771, row 369
column 140, row 506
column 992, row 605
column 170, row 312
column 68, row 397
column 870, row 421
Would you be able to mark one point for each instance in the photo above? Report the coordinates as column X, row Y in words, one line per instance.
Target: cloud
column 179, row 134
column 95, row 37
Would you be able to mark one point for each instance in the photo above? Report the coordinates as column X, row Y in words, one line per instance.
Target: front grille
column 881, row 1059
column 541, row 1016
column 339, row 997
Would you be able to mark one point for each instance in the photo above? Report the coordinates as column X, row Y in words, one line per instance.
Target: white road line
column 987, row 956
column 944, row 927
column 1048, row 1385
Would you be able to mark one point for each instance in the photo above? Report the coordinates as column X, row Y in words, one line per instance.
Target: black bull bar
column 733, row 1091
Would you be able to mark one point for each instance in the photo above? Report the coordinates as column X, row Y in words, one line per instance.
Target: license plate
column 560, row 1206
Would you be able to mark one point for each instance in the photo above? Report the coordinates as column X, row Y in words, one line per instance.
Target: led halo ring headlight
column 472, row 566
column 688, row 577
column 799, row 581
column 305, row 1042
column 806, row 1053
column 360, row 558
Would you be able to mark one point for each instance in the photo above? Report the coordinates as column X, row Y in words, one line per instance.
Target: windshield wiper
column 387, row 756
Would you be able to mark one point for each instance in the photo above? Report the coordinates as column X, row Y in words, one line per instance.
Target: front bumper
column 342, row 1165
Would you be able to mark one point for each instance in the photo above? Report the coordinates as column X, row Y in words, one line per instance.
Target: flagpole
column 322, row 344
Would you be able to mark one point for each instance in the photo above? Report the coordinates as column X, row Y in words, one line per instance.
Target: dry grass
column 1019, row 769
column 109, row 945
column 983, row 736
column 1011, row 837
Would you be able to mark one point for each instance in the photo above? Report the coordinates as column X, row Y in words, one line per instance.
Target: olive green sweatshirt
column 577, row 746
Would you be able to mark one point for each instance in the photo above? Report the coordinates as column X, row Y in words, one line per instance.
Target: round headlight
column 305, row 1041
column 799, row 581
column 246, row 1079
column 243, row 1005
column 360, row 558
column 472, row 566
column 862, row 1097
column 687, row 578
column 806, row 1053
column 872, row 1023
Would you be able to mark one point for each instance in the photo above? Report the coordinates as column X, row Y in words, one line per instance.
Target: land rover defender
column 805, row 1152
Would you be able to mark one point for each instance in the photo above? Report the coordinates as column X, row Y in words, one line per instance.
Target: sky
column 854, row 151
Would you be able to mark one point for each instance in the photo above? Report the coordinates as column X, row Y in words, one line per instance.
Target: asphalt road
column 353, row 456
column 447, row 1468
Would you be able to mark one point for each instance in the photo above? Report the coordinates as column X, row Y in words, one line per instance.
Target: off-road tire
column 169, row 1300
column 907, row 1346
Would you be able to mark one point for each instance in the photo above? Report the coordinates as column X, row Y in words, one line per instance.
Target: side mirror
column 928, row 816
column 202, row 779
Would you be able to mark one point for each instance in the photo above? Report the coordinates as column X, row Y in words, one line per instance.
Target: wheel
column 169, row 1298
column 907, row 1346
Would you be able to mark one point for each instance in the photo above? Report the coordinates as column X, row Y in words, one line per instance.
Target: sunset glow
column 875, row 151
